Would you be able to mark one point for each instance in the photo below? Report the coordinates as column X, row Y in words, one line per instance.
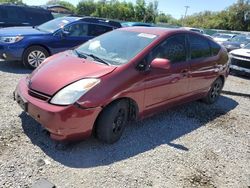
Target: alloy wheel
column 35, row 58
column 215, row 92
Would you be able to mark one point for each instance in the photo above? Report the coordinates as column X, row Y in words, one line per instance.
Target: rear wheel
column 214, row 92
column 112, row 121
column 34, row 56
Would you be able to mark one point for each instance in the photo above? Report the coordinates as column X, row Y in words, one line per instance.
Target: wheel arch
column 132, row 107
column 222, row 77
column 36, row 44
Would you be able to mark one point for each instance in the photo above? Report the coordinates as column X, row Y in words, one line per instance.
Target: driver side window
column 77, row 30
column 173, row 49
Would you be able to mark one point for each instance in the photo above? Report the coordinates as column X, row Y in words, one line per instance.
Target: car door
column 162, row 85
column 203, row 64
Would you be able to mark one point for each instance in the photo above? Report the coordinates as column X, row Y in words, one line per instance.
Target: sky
column 174, row 7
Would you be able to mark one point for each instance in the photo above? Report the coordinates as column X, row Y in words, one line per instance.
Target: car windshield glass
column 117, row 47
column 53, row 25
column 247, row 46
column 239, row 39
column 224, row 36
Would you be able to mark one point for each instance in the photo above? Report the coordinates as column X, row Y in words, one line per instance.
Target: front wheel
column 34, row 56
column 214, row 92
column 112, row 121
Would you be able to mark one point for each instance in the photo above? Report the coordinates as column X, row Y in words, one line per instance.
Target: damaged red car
column 123, row 75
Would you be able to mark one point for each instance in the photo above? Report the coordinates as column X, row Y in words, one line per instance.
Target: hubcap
column 118, row 121
column 35, row 58
column 215, row 90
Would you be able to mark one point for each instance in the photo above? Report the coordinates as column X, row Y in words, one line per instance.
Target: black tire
column 38, row 53
column 112, row 121
column 214, row 92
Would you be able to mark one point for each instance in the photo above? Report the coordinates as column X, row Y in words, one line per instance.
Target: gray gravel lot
column 193, row 145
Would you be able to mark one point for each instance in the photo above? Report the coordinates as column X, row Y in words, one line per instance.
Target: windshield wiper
column 81, row 55
column 85, row 55
column 97, row 58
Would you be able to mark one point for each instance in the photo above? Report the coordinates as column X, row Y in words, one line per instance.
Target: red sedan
column 123, row 75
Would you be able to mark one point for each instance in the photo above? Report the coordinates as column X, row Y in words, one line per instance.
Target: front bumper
column 63, row 122
column 240, row 65
column 11, row 52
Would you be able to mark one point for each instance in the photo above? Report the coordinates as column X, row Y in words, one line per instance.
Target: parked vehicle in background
column 222, row 37
column 240, row 60
column 132, row 24
column 58, row 10
column 32, row 45
column 239, row 41
column 201, row 31
column 123, row 75
column 20, row 15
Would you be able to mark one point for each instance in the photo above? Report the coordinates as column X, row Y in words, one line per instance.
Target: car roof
column 161, row 31
column 101, row 21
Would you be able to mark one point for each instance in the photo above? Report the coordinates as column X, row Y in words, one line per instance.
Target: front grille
column 38, row 95
column 240, row 56
column 240, row 63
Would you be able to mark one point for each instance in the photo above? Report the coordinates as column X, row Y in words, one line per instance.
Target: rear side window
column 173, row 49
column 77, row 30
column 13, row 14
column 215, row 48
column 96, row 30
column 199, row 47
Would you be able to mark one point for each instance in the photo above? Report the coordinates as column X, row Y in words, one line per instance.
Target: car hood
column 14, row 31
column 241, row 52
column 62, row 69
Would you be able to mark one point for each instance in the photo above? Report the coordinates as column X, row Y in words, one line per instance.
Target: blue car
column 31, row 45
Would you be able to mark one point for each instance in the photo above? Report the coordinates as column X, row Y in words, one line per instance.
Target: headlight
column 11, row 39
column 74, row 91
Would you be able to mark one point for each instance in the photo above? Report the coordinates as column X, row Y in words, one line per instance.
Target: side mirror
column 64, row 33
column 160, row 63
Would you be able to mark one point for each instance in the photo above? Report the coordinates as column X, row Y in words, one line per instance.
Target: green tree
column 86, row 7
column 232, row 18
column 140, row 10
column 18, row 2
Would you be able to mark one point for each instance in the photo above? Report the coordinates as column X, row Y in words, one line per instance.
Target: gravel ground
column 193, row 145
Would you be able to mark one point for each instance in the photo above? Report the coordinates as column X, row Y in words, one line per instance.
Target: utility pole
column 187, row 7
column 184, row 17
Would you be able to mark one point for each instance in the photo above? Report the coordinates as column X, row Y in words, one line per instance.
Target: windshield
column 117, row 47
column 53, row 25
column 247, row 46
column 224, row 36
column 240, row 39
